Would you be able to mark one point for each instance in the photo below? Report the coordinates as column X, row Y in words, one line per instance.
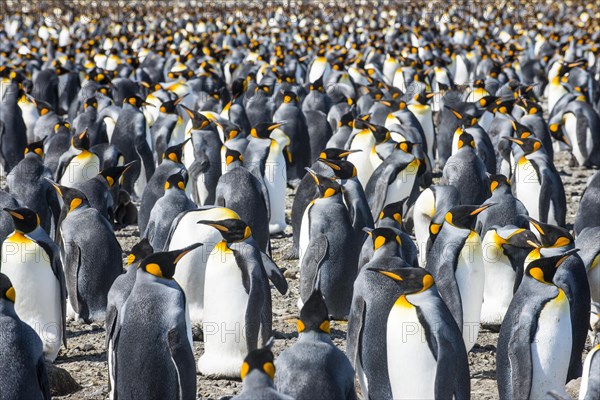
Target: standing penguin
column 508, row 211
column 237, row 275
column 327, row 235
column 117, row 295
column 78, row 164
column 313, row 367
column 258, row 373
column 20, row 348
column 465, row 171
column 27, row 183
column 169, row 128
column 132, row 139
column 590, row 383
column 387, row 302
column 587, row 213
column 239, row 190
column 361, row 142
column 13, row 131
column 422, row 111
column 456, row 262
column 166, row 209
column 535, row 339
column 153, row 337
column 394, row 180
column 32, row 262
column 538, row 184
column 91, row 255
column 265, row 158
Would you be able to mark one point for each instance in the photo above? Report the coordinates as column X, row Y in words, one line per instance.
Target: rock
column 88, row 347
column 61, row 381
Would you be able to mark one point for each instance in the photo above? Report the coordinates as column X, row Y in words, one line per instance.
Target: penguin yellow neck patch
column 403, row 302
column 19, row 238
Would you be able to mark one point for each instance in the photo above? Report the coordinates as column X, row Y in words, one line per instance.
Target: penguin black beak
column 56, row 186
column 565, row 256
column 347, row 153
column 329, row 164
column 313, row 174
column 482, row 208
column 367, row 230
column 517, row 141
column 214, row 224
column 536, row 225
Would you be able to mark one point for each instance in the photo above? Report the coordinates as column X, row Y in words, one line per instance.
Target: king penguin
column 91, row 255
column 533, row 352
column 456, row 262
column 237, row 299
column 20, row 348
column 31, row 261
column 327, row 235
column 154, row 336
column 314, row 367
column 386, row 302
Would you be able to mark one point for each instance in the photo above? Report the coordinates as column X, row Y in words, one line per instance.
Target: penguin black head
column 361, row 123
column 25, row 220
column 232, row 156
column 81, row 141
column 522, row 238
column 543, row 269
column 383, row 236
column 406, row 146
column 72, row 198
column 411, row 280
column 174, row 153
column 464, row 118
column 199, row 120
column 341, row 168
column 336, row 154
column 259, row 360
column 314, row 315
column 90, row 102
column 170, row 107
column 290, row 97
column 264, row 129
column 230, row 130
column 486, row 101
column 135, row 101
column 36, row 148
column 327, row 187
column 42, row 107
column 177, row 181
column 162, row 264
column 140, row 251
column 7, row 291
column 528, row 145
column 347, row 120
column 466, row 140
column 233, row 230
column 318, row 85
column 393, row 211
column 423, row 98
column 502, row 106
column 113, row 174
column 465, row 216
column 551, row 235
column 381, row 134
column 62, row 127
column 497, row 181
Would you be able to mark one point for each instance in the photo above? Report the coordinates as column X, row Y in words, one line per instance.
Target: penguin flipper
column 73, row 262
column 183, row 358
column 112, row 316
column 3, row 161
column 311, row 262
column 520, row 359
column 377, row 187
column 355, row 323
column 274, row 273
column 42, row 376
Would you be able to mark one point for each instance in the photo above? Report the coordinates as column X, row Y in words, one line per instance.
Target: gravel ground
column 85, row 358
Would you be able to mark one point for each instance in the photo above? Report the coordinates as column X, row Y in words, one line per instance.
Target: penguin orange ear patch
column 269, row 369
column 10, row 294
column 301, row 326
column 379, row 241
column 329, row 192
column 154, row 269
column 245, row 370
column 325, row 326
column 130, row 259
column 75, row 203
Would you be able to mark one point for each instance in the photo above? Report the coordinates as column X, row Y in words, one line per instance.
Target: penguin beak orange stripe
column 391, row 275
column 313, row 174
column 482, row 208
column 330, row 164
column 347, row 153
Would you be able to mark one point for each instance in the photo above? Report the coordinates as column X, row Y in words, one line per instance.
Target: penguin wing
column 173, row 228
column 42, row 377
column 112, row 316
column 3, row 160
column 63, row 163
column 183, row 358
column 311, row 262
column 355, row 323
column 72, row 264
column 377, row 187
column 145, row 154
column 274, row 273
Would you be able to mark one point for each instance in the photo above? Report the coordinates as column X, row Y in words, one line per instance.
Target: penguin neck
column 257, row 379
column 336, row 198
column 387, row 250
column 314, row 336
column 7, row 308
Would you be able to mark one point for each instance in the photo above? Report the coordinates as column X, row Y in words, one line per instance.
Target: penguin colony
column 416, row 147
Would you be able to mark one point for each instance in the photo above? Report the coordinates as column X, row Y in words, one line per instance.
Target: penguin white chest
column 83, row 167
column 224, row 320
column 276, row 181
column 411, row 364
column 362, row 159
column 425, row 118
column 38, row 296
column 424, row 210
column 570, row 121
column 551, row 348
column 528, row 187
column 499, row 282
column 110, row 127
column 470, row 279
